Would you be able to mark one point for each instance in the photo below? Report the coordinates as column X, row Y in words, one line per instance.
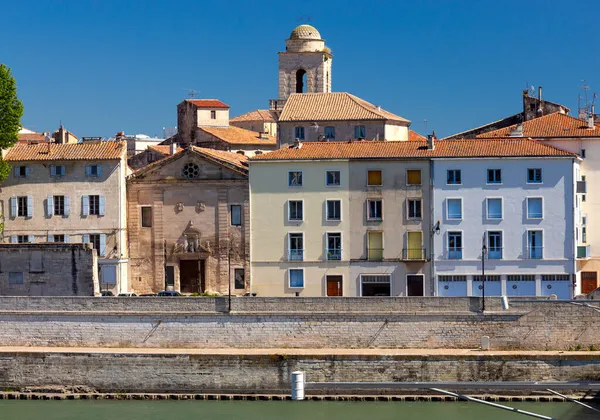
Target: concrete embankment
column 268, row 371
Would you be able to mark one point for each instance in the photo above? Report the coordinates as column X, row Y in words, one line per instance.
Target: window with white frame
column 534, row 175
column 296, row 278
column 454, row 208
column 374, row 210
column 360, row 132
column 494, row 208
column 59, row 205
column 494, row 251
column 334, row 246
column 453, row 177
column 299, row 133
column 455, row 245
column 535, row 246
column 334, row 210
column 296, row 246
column 94, row 204
column 24, row 239
column 330, row 133
column 295, row 210
column 494, row 176
column 295, row 178
column 414, row 208
column 23, row 207
column 333, row 178
column 535, row 208
column 376, row 285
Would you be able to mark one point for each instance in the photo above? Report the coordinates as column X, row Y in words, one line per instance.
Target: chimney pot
column 173, row 148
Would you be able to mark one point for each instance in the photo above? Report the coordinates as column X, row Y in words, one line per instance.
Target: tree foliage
column 11, row 111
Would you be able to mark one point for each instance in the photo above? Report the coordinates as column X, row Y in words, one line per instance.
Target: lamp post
column 483, row 252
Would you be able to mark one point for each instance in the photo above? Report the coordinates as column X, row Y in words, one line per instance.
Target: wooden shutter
column 29, row 206
column 414, row 245
column 85, row 205
column 99, row 171
column 67, row 240
column 31, row 239
column 50, row 206
column 67, row 205
column 101, row 205
column 374, row 178
column 52, row 170
column 413, row 177
column 102, row 250
column 13, row 207
column 50, row 237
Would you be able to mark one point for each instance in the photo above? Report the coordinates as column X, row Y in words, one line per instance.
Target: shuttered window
column 374, row 178
column 413, row 177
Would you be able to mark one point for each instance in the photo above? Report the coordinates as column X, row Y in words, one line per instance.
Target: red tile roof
column 31, row 137
column 79, row 151
column 235, row 159
column 163, row 149
column 413, row 136
column 237, row 135
column 551, row 125
column 513, row 147
column 208, row 103
column 256, row 115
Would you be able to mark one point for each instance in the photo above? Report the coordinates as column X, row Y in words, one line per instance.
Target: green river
column 272, row 410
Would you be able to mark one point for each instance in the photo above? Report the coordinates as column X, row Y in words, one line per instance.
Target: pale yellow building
column 70, row 193
column 341, row 219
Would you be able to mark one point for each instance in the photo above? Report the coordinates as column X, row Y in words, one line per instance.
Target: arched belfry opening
column 301, row 81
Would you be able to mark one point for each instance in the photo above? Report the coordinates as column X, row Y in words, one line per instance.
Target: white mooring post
column 297, row 385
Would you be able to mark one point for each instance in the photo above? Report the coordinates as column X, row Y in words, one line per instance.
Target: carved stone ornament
column 179, row 207
column 200, row 206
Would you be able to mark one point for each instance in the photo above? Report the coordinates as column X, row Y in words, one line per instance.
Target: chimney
column 540, row 111
column 173, row 148
column 119, row 136
column 431, row 141
column 297, row 144
column 591, row 121
column 517, row 131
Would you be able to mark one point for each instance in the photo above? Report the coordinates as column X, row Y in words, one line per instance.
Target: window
column 59, row 205
column 334, row 210
column 453, row 177
column 534, row 245
column 584, row 234
column 21, row 171
column 190, row 171
column 295, row 211
column 375, row 285
column 93, row 170
column 146, row 216
column 295, row 178
column 296, row 246
column 57, row 170
column 494, row 176
column 24, row 239
column 296, row 278
column 213, row 115
column 334, row 246
column 535, row 208
column 360, row 132
column 414, row 208
column 494, row 208
column 238, row 276
column 375, row 210
column 94, row 204
column 454, row 210
column 455, row 245
column 58, row 238
column 413, row 177
column 330, row 133
column 95, row 241
column 15, row 277
column 583, row 153
column 22, row 207
column 583, row 198
column 236, row 215
column 374, row 178
column 375, row 246
column 495, row 245
column 534, row 176
column 333, row 179
column 299, row 133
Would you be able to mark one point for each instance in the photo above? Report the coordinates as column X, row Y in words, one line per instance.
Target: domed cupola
column 305, row 38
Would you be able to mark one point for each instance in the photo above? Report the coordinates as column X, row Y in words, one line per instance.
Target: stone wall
column 271, row 373
column 295, row 323
column 50, row 269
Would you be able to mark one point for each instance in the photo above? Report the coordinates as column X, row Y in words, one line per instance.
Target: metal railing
column 535, row 252
column 494, row 253
column 413, row 254
column 375, row 254
column 334, row 254
column 455, row 253
column 296, row 255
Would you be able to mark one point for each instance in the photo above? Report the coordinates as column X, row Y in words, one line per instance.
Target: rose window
column 191, row 171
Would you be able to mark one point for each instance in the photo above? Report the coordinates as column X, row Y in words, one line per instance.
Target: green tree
column 11, row 111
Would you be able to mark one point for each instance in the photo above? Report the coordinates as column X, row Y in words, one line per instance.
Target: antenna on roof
column 192, row 93
column 425, row 122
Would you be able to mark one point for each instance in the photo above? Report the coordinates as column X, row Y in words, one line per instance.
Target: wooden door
column 189, row 276
column 334, row 286
column 589, row 281
column 414, row 285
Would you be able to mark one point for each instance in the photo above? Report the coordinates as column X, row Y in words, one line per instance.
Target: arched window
column 301, row 81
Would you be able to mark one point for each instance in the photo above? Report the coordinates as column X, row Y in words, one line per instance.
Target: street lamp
column 483, row 252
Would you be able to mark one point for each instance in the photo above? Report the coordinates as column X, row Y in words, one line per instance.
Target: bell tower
column 305, row 66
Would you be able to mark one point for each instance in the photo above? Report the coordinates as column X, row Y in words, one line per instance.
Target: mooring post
column 297, row 385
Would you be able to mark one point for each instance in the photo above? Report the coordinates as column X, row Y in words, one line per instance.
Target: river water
column 276, row 410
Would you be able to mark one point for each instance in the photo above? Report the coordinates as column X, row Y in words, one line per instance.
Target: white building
column 516, row 197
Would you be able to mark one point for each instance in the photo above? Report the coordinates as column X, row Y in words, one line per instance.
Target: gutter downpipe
column 431, row 232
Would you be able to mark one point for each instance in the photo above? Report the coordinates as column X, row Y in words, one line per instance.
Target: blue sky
column 106, row 66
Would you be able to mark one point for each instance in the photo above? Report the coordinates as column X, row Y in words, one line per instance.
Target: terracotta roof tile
column 416, row 149
column 551, row 125
column 208, row 103
column 332, row 106
column 237, row 135
column 413, row 136
column 80, row 151
column 236, row 159
column 29, row 137
column 256, row 115
column 163, row 149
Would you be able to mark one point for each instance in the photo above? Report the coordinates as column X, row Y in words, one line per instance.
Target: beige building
column 71, row 193
column 188, row 223
column 152, row 154
column 341, row 219
column 259, row 120
column 581, row 137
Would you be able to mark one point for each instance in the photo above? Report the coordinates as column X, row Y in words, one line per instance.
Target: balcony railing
column 494, row 253
column 375, row 254
column 581, row 187
column 296, row 255
column 276, row 104
column 535, row 252
column 583, row 251
column 334, row 254
column 455, row 253
column 413, row 254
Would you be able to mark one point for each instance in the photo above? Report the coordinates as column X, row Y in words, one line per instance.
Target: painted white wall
column 557, row 192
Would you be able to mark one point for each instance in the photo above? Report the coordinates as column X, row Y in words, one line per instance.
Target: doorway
column 191, row 276
column 334, row 286
column 589, row 281
column 414, row 285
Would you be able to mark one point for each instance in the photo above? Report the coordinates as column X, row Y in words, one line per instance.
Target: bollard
column 485, row 342
column 297, row 385
column 505, row 303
